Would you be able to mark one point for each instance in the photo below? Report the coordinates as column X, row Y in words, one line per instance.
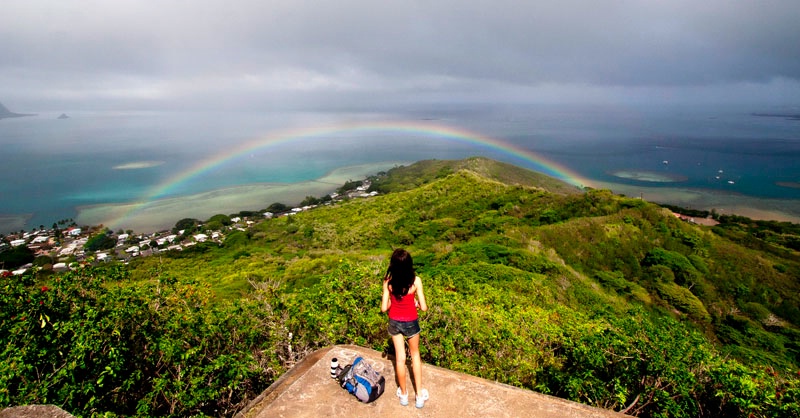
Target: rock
column 35, row 411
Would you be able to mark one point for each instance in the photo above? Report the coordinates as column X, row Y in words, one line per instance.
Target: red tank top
column 403, row 309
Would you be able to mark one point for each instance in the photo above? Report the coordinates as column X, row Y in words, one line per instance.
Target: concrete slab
column 308, row 391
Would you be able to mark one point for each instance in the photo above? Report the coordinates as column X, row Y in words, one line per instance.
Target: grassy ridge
column 590, row 296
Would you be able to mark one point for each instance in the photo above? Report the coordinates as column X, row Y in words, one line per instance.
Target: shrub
column 683, row 299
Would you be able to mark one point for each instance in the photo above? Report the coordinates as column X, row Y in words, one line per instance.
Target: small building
column 201, row 237
column 18, row 242
column 68, row 250
column 60, row 267
column 39, row 240
column 74, row 232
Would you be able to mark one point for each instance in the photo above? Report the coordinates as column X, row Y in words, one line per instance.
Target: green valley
column 607, row 300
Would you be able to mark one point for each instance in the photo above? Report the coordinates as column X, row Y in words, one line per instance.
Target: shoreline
column 724, row 203
column 161, row 214
column 157, row 215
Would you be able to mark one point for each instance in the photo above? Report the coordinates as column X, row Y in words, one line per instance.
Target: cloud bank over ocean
column 357, row 54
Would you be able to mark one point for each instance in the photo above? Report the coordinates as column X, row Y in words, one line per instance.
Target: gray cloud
column 134, row 53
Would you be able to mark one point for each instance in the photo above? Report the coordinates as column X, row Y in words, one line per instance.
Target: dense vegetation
column 606, row 300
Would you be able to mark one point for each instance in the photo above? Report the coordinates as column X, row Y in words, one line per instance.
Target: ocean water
column 52, row 166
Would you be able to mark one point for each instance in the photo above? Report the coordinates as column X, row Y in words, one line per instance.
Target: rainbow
column 416, row 128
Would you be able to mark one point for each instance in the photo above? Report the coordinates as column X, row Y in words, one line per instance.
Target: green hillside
column 586, row 295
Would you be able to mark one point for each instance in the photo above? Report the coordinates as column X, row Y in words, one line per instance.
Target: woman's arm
column 423, row 305
column 385, row 302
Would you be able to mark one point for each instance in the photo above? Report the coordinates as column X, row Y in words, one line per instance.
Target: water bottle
column 334, row 367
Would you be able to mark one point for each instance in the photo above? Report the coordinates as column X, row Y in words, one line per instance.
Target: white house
column 201, row 237
column 39, row 239
column 18, row 242
column 74, row 232
column 68, row 250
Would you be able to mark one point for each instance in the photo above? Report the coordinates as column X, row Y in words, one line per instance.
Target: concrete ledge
column 307, row 390
column 35, row 411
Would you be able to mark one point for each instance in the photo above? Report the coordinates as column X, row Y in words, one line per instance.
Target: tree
column 186, row 224
column 17, row 256
column 213, row 226
column 222, row 219
column 101, row 241
column 277, row 207
column 349, row 185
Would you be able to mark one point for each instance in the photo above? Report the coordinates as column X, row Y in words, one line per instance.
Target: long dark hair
column 401, row 272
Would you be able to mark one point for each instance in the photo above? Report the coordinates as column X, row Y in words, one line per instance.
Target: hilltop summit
column 308, row 391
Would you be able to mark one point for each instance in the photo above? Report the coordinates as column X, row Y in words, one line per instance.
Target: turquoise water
column 52, row 166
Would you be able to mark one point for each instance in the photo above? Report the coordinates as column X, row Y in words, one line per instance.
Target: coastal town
column 62, row 249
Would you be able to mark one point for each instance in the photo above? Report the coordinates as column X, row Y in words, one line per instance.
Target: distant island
column 63, row 116
column 790, row 116
column 5, row 113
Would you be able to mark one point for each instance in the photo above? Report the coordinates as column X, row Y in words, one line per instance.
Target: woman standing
column 402, row 295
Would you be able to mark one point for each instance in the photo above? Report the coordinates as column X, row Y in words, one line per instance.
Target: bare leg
column 416, row 362
column 400, row 362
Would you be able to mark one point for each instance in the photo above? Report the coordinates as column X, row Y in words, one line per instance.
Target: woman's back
column 403, row 308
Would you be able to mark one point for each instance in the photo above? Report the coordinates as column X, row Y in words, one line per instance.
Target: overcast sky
column 142, row 54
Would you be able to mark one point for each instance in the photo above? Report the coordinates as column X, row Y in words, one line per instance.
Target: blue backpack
column 361, row 380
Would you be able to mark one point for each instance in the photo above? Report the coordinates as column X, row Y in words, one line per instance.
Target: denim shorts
column 407, row 328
